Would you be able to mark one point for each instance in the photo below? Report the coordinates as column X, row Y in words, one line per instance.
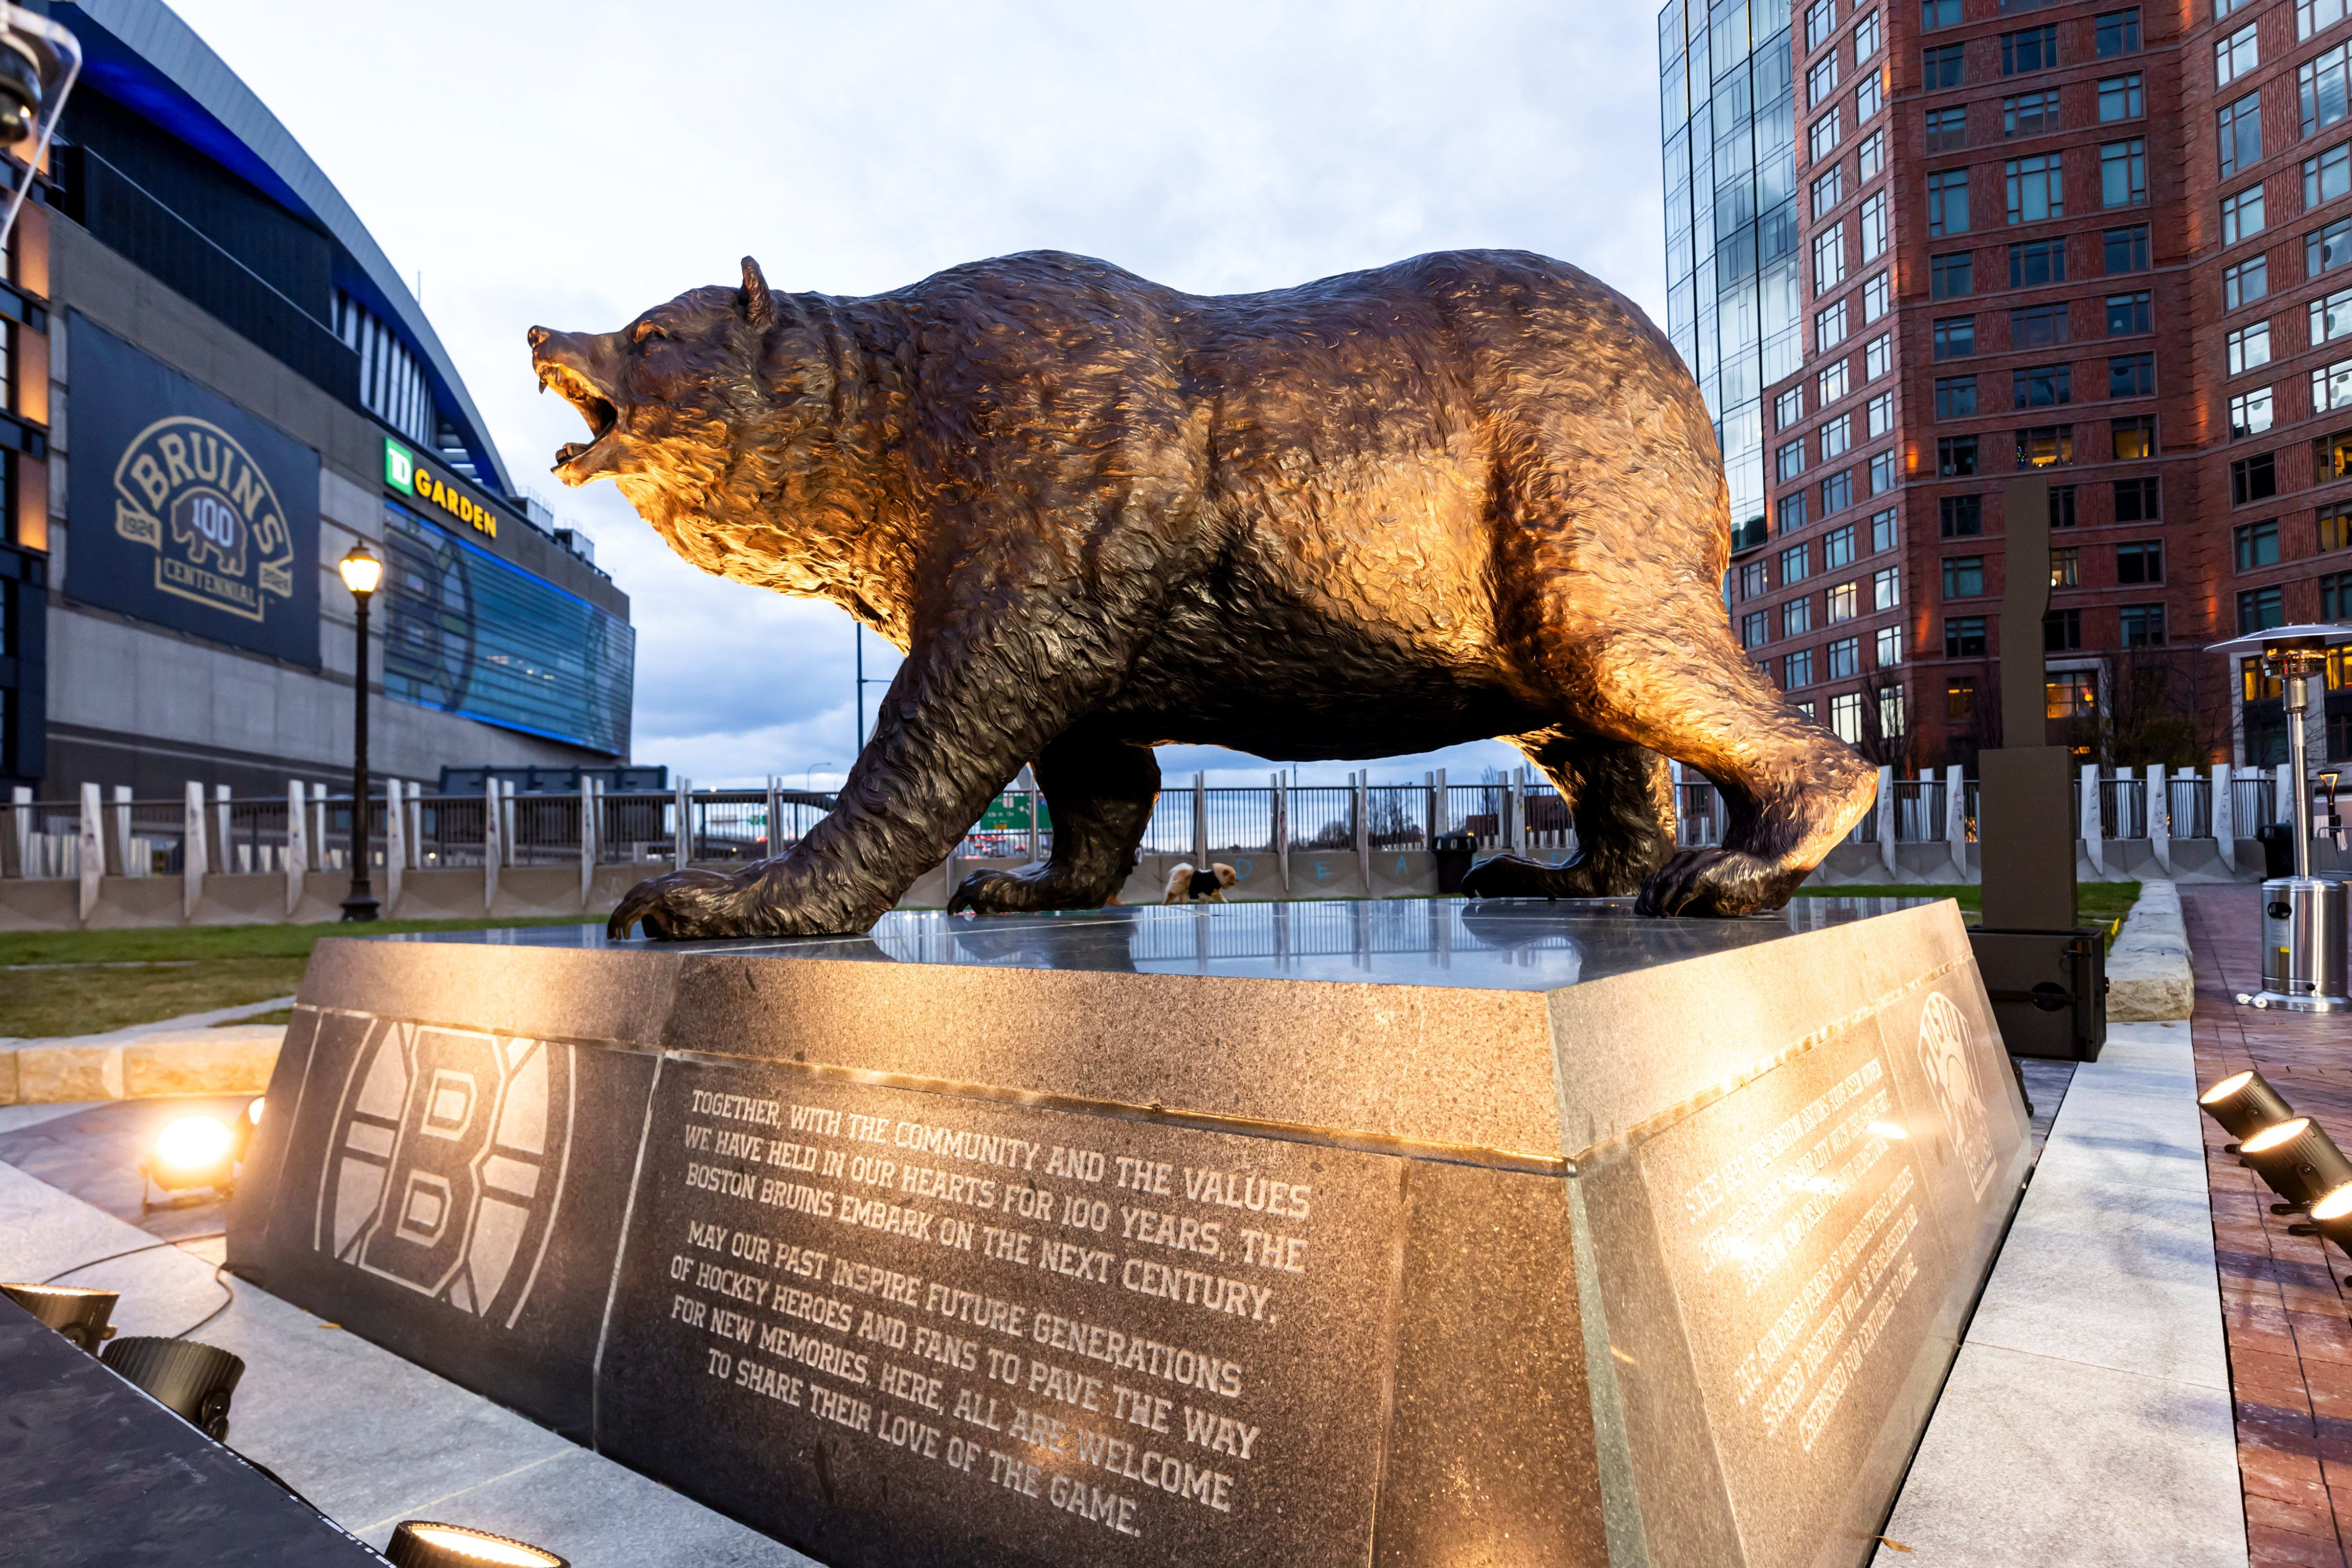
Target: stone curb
column 235, row 1060
column 2148, row 976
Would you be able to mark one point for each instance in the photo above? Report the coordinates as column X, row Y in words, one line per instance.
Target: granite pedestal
column 1306, row 1233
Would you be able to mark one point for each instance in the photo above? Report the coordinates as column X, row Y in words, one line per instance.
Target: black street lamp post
column 361, row 572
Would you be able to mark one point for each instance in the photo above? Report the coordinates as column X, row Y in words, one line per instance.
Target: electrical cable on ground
column 228, row 1292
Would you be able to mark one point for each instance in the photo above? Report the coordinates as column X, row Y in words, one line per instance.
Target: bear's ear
column 759, row 305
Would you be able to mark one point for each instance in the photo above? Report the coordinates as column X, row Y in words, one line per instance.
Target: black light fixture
column 79, row 1313
column 192, row 1380
column 422, row 1543
column 2245, row 1104
column 362, row 571
column 2299, row 1160
column 2331, row 1218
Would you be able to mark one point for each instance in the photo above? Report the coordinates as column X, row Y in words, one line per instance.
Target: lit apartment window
column 2250, row 345
column 1843, row 602
column 2044, row 445
column 2335, row 529
column 2133, row 438
column 2066, row 567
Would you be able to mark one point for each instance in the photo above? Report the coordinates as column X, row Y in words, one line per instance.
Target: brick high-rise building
column 2084, row 238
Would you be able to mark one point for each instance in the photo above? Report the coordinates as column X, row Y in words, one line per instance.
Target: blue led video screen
column 467, row 632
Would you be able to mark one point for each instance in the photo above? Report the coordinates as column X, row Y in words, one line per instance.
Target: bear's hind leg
column 1620, row 799
column 1099, row 793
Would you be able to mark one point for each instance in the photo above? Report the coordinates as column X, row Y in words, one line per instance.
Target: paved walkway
column 2283, row 1307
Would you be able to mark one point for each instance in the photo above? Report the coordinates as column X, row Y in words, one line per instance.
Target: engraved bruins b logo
column 448, row 1162
column 1951, row 1070
column 187, row 490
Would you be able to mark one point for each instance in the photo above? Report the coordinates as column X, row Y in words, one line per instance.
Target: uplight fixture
column 191, row 1379
column 2299, row 1160
column 2245, row 1104
column 2331, row 1217
column 79, row 1313
column 194, row 1152
column 421, row 1544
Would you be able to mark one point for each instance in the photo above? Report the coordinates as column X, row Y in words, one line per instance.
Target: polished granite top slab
column 1519, row 945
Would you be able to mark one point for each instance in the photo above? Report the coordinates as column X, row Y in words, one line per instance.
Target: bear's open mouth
column 595, row 407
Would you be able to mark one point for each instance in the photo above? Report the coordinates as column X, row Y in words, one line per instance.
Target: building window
column 1752, row 579
column 2037, row 189
column 2234, row 56
column 1829, row 259
column 1961, row 699
column 1870, row 160
column 2327, row 176
column 2128, row 314
column 1823, row 139
column 1789, row 408
column 2255, row 545
column 2126, row 249
column 1935, row 13
column 2253, row 478
column 2331, row 457
column 2123, row 174
column 1873, row 226
column 2042, row 386
column 1960, row 517
column 1828, row 326
column 2131, row 375
column 2142, row 625
column 2036, row 262
column 2241, row 215
column 2238, row 134
column 2142, row 560
column 1880, row 418
column 1882, row 530
column 2260, row 608
column 1941, row 68
column 1964, row 577
column 2133, row 438
column 1821, row 17
column 1955, row 455
column 2335, row 529
column 2037, row 327
column 2032, row 49
column 1754, row 630
column 1836, row 436
column 1890, row 649
column 2249, row 413
column 2331, row 317
column 1886, row 590
column 1844, row 602
column 2325, row 250
column 1951, row 276
column 1821, row 80
column 2335, row 604
column 1865, row 36
column 1876, row 298
column 1797, row 617
column 1964, row 636
column 1879, row 356
column 1797, row 669
column 2120, row 98
column 2118, row 33
column 2331, row 387
column 1830, row 386
column 2066, row 567
column 2313, row 15
column 2319, row 83
column 2061, row 506
column 1883, row 477
column 1837, row 492
column 2070, row 693
column 2249, row 347
column 2136, row 501
column 2043, row 445
column 1795, row 565
column 1792, row 512
column 1844, row 658
column 2062, row 630
column 1845, row 708
column 1948, row 202
column 1956, row 397
column 2030, row 113
column 1948, row 129
column 1790, row 460
column 2246, row 282
column 1837, row 550
column 1829, row 190
column 1870, row 97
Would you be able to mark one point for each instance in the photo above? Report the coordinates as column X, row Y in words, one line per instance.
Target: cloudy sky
column 572, row 163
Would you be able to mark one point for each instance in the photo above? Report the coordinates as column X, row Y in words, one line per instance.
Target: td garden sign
column 186, row 510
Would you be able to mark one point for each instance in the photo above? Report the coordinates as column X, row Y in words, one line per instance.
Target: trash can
column 2278, row 850
column 1454, row 853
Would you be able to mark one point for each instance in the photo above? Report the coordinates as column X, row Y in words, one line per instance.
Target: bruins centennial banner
column 185, row 509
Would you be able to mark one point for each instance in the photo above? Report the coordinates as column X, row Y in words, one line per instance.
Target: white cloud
column 572, row 163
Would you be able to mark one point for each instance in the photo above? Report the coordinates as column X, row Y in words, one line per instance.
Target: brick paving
column 2283, row 1305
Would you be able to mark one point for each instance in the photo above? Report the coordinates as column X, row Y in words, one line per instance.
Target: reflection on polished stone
column 1523, row 945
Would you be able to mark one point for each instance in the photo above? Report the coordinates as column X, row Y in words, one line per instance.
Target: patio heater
column 2303, row 915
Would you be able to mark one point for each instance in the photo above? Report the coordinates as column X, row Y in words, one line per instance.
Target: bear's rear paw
column 1509, row 876
column 1020, row 891
column 1717, row 882
column 681, row 906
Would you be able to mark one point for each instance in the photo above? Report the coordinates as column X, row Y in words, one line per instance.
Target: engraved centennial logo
column 1951, row 1070
column 188, row 491
column 447, row 1166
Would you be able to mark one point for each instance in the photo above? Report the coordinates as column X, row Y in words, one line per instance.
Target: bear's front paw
column 1717, row 882
column 681, row 906
column 1021, row 892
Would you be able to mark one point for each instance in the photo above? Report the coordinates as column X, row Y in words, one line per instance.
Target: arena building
column 217, row 384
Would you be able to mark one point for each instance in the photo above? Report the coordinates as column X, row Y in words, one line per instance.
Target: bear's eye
column 647, row 331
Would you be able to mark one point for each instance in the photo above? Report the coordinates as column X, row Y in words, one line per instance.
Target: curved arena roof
column 139, row 53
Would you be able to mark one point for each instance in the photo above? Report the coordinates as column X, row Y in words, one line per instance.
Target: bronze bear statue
column 1470, row 495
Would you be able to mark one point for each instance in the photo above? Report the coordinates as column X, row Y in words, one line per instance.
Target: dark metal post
column 360, row 904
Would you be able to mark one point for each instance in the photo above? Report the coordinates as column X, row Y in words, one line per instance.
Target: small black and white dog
column 1185, row 884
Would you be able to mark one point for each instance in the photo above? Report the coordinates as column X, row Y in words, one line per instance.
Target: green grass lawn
column 2095, row 903
column 86, row 982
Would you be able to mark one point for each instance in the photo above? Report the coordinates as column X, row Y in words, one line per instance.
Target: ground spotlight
column 2331, row 1218
column 194, row 1152
column 77, row 1313
column 420, row 1543
column 2245, row 1104
column 192, row 1380
column 2299, row 1160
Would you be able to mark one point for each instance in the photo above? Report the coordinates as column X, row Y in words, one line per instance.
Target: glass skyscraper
column 1733, row 294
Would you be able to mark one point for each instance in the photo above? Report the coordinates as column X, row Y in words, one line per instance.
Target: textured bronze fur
column 1473, row 494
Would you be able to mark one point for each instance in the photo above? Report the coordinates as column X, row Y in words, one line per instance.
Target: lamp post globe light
column 362, row 571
